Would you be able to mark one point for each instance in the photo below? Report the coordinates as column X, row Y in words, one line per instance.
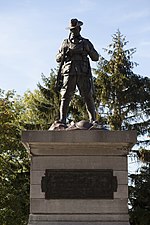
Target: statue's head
column 75, row 26
column 74, row 23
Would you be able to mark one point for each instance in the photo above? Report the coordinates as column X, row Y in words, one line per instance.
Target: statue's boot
column 64, row 110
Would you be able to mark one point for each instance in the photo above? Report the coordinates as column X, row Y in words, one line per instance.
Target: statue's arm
column 91, row 50
column 60, row 53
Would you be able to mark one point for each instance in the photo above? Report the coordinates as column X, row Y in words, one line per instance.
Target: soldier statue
column 76, row 70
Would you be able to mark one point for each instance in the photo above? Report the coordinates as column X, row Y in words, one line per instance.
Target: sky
column 31, row 32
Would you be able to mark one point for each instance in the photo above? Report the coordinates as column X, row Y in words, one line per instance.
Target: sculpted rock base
column 81, row 125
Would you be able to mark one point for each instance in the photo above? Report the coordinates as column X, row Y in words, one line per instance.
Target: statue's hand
column 68, row 52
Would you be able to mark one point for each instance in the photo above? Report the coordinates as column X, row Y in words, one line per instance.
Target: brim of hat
column 80, row 23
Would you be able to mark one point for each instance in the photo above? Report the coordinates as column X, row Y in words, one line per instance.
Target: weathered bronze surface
column 79, row 184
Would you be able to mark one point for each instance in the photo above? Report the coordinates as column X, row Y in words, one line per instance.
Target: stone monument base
column 46, row 219
column 79, row 177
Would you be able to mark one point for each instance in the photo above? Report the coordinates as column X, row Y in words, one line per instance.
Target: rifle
column 92, row 83
column 59, row 81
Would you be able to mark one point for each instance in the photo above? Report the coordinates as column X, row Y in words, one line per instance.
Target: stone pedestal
column 88, row 163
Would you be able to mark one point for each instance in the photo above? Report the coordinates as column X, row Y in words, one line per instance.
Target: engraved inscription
column 79, row 184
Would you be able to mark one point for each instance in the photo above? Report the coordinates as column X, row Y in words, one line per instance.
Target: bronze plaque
column 78, row 184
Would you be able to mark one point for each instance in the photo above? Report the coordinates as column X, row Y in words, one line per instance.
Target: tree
column 45, row 100
column 123, row 96
column 33, row 118
column 14, row 163
column 139, row 197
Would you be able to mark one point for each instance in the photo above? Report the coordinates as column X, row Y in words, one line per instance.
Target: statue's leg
column 89, row 102
column 64, row 109
column 69, row 84
column 85, row 88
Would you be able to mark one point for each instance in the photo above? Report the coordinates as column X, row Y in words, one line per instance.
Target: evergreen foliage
column 123, row 96
column 139, row 197
column 48, row 105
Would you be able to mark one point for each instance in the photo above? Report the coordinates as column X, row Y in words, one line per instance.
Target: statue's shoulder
column 86, row 40
column 66, row 40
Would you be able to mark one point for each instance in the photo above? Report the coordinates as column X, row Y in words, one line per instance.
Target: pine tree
column 123, row 95
column 46, row 100
column 139, row 197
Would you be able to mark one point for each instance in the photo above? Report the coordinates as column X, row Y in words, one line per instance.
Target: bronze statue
column 75, row 70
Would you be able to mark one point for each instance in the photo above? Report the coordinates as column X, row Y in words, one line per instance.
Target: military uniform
column 76, row 71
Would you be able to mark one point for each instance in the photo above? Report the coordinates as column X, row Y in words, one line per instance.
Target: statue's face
column 75, row 31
